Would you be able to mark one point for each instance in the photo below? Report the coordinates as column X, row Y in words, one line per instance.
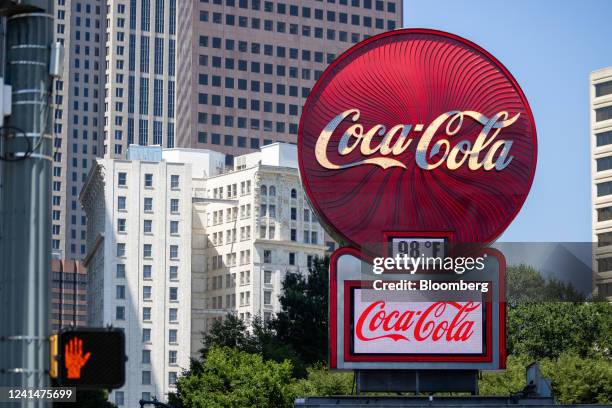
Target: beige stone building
column 601, row 171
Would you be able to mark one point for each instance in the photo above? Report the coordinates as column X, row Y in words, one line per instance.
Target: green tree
column 322, row 382
column 525, row 284
column 302, row 321
column 230, row 378
column 231, row 331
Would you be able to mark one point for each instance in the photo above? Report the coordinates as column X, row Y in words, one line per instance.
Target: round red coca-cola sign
column 417, row 131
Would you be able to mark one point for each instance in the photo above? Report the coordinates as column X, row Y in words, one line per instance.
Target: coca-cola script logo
column 416, row 130
column 418, row 327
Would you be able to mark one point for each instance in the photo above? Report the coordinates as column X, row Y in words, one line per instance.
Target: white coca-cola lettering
column 486, row 152
column 417, row 325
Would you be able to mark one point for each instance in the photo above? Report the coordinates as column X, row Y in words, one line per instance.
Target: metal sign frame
column 346, row 272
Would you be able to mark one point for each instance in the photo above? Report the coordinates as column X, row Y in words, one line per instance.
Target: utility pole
column 26, row 149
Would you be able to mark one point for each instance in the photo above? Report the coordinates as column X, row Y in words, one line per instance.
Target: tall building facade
column 139, row 266
column 78, row 117
column 117, row 88
column 140, row 66
column 601, row 171
column 247, row 66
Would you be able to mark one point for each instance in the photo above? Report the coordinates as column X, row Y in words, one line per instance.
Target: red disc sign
column 417, row 131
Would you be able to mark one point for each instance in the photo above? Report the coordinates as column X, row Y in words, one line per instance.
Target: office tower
column 252, row 226
column 68, row 294
column 139, row 75
column 247, row 66
column 117, row 88
column 601, row 174
column 78, row 111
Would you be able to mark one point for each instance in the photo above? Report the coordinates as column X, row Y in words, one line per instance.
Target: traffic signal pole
column 26, row 149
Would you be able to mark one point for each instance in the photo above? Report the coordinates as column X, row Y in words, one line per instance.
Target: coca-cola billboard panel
column 416, row 130
column 371, row 328
column 385, row 327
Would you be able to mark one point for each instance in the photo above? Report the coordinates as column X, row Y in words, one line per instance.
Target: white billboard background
column 375, row 343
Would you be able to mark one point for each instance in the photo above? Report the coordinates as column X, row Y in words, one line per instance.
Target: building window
column 173, row 272
column 146, row 271
column 148, row 204
column 291, row 258
column 604, row 113
column 174, row 181
column 120, row 271
column 119, row 398
column 172, row 357
column 604, row 264
column 146, row 335
column 605, row 88
column 120, row 313
column 293, row 213
column 120, row 292
column 120, row 249
column 293, row 234
column 146, row 292
column 121, row 225
column 604, row 138
column 148, row 180
column 604, row 188
column 267, row 256
column 267, row 297
column 172, row 314
column 174, row 227
column 604, row 239
column 174, row 205
column 146, row 356
column 147, row 226
column 604, row 214
column 173, row 295
column 146, row 314
column 146, row 378
column 293, row 193
column 171, row 378
column 121, row 203
column 147, row 250
column 268, row 277
column 172, row 336
column 122, row 179
column 173, row 251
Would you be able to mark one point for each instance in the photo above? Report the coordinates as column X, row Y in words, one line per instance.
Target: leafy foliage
column 302, row 323
column 322, row 382
column 575, row 380
column 232, row 378
column 525, row 284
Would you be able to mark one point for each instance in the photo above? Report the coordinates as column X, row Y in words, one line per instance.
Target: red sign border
column 331, row 67
column 333, row 316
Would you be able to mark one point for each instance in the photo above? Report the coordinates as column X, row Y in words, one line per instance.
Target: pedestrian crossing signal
column 88, row 358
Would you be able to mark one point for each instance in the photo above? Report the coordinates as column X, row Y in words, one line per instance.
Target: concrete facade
column 139, row 262
column 601, row 171
column 246, row 67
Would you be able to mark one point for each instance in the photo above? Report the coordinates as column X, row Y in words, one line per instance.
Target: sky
column 550, row 46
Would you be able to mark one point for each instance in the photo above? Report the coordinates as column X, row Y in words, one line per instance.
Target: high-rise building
column 177, row 239
column 117, row 88
column 247, row 66
column 68, row 293
column 78, row 97
column 601, row 171
column 139, row 75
